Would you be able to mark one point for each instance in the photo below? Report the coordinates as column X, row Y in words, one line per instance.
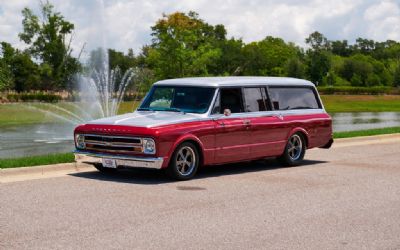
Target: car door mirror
column 227, row 112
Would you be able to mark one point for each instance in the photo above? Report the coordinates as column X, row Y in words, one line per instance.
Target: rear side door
column 232, row 132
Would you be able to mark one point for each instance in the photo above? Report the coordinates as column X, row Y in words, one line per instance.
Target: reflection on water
column 365, row 120
column 35, row 139
column 24, row 140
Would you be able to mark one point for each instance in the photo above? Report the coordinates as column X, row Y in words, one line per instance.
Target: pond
column 47, row 138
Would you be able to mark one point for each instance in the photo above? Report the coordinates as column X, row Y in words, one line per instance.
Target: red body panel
column 228, row 139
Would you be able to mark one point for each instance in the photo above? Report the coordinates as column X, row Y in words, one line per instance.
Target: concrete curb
column 39, row 172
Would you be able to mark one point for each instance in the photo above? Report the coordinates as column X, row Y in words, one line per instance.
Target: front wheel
column 294, row 150
column 184, row 162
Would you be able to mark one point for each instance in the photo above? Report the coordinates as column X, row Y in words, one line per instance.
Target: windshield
column 178, row 99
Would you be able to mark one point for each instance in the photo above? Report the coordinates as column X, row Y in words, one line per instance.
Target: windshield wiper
column 144, row 109
column 175, row 110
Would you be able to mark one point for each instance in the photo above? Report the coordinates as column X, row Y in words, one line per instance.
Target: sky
column 124, row 24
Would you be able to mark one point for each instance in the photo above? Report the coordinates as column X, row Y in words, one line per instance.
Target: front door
column 232, row 131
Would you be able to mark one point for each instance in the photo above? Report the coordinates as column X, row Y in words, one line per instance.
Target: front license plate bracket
column 109, row 163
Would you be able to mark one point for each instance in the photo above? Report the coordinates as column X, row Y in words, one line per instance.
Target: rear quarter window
column 288, row 98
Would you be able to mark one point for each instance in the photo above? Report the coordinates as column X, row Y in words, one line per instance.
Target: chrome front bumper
column 121, row 161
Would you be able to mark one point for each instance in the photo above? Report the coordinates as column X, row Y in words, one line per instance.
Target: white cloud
column 127, row 22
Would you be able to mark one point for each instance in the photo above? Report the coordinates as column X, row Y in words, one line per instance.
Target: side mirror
column 227, row 112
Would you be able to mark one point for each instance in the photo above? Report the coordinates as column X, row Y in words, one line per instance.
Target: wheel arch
column 301, row 131
column 188, row 138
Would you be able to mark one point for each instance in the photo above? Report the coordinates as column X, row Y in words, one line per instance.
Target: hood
column 146, row 119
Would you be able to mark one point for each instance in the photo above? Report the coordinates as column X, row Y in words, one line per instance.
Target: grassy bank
column 369, row 132
column 33, row 113
column 361, row 103
column 36, row 160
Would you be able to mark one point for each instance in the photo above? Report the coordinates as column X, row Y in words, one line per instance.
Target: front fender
column 181, row 139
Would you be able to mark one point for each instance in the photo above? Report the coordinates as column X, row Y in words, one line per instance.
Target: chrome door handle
column 246, row 122
column 279, row 116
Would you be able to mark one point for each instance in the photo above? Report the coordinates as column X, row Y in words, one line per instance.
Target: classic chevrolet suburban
column 186, row 123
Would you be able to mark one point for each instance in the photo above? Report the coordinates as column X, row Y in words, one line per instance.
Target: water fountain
column 98, row 93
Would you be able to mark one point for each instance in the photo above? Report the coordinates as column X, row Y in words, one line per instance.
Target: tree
column 231, row 57
column 295, row 68
column 6, row 77
column 396, row 77
column 318, row 58
column 317, row 41
column 340, row 48
column 183, row 45
column 49, row 40
column 267, row 57
column 119, row 59
column 22, row 71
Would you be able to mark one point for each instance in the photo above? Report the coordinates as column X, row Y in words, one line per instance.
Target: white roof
column 235, row 81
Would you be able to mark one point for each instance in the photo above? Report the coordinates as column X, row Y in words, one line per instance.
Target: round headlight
column 80, row 141
column 149, row 146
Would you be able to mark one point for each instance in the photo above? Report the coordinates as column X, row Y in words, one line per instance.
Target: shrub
column 36, row 96
column 376, row 90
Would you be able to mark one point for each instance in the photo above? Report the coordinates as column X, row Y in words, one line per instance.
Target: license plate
column 109, row 163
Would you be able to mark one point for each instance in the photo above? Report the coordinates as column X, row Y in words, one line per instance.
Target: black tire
column 104, row 170
column 294, row 151
column 184, row 162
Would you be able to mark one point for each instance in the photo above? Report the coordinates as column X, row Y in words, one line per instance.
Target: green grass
column 361, row 103
column 369, row 132
column 31, row 161
column 33, row 113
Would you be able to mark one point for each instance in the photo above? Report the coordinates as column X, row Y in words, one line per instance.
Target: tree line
column 184, row 45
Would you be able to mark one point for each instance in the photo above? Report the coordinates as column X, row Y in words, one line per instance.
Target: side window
column 286, row 98
column 256, row 99
column 231, row 98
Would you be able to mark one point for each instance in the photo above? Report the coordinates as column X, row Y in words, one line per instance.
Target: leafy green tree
column 49, row 40
column 183, row 45
column 267, row 57
column 6, row 77
column 317, row 41
column 318, row 57
column 121, row 60
column 231, row 60
column 365, row 46
column 340, row 48
column 22, row 70
column 294, row 67
column 396, row 77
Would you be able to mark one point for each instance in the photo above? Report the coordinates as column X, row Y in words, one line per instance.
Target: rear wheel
column 184, row 162
column 102, row 169
column 294, row 150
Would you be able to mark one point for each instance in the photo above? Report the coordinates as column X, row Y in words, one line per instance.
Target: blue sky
column 127, row 22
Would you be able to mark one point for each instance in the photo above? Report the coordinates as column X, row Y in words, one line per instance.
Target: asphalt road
column 347, row 197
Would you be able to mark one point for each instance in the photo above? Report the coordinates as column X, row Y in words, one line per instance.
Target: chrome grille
column 118, row 144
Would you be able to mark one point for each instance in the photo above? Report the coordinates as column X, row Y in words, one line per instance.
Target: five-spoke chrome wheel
column 185, row 160
column 295, row 147
column 294, row 150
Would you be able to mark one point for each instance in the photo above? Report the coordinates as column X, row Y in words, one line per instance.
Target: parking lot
column 347, row 197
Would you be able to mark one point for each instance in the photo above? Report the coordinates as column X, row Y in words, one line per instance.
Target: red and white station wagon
column 186, row 123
